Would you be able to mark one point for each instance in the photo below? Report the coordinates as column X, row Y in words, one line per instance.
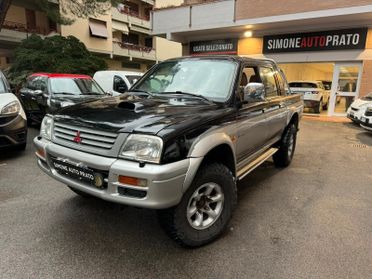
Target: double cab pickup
column 178, row 141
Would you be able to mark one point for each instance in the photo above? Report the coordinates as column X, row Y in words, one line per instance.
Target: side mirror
column 254, row 92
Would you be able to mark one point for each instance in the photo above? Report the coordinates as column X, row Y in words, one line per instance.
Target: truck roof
column 236, row 58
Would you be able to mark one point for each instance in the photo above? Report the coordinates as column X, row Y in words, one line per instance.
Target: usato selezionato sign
column 316, row 41
column 228, row 46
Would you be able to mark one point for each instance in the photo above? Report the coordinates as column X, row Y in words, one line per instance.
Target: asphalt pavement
column 310, row 220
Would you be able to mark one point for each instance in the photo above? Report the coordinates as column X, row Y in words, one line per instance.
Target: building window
column 148, row 42
column 130, row 39
column 130, row 65
column 52, row 25
column 98, row 28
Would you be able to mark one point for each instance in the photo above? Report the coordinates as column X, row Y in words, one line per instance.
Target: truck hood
column 128, row 113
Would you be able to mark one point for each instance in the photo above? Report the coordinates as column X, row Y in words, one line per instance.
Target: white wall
column 308, row 71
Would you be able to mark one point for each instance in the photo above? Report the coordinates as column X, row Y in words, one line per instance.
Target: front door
column 345, row 87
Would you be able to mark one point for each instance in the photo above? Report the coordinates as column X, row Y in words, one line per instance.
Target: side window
column 119, row 85
column 268, row 79
column 283, row 84
column 37, row 83
column 250, row 74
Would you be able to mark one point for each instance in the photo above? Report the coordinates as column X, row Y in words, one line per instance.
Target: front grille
column 368, row 113
column 84, row 136
column 354, row 109
column 6, row 119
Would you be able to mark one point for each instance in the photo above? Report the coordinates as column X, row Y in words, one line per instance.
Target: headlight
column 11, row 108
column 46, row 128
column 142, row 148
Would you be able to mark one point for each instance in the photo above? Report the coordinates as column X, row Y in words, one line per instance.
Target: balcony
column 134, row 51
column 132, row 18
column 203, row 15
column 16, row 32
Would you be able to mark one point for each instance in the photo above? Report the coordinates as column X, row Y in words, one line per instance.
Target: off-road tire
column 175, row 222
column 283, row 157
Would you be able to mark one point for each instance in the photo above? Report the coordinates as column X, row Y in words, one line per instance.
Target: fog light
column 98, row 180
column 134, row 181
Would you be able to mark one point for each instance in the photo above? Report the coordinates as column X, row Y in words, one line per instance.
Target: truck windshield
column 211, row 79
column 75, row 86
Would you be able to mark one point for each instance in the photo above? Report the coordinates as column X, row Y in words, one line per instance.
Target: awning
column 140, row 29
column 98, row 28
column 120, row 26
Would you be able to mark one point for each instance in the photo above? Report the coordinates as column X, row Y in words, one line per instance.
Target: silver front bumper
column 164, row 182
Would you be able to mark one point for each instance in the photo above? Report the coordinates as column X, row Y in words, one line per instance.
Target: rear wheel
column 283, row 157
column 205, row 209
column 318, row 109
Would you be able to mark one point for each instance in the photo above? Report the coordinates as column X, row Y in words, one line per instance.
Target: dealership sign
column 316, row 41
column 228, row 46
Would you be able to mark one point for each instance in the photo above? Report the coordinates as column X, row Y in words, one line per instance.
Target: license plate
column 72, row 170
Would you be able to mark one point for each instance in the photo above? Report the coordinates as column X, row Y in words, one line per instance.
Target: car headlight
column 142, row 148
column 11, row 108
column 46, row 128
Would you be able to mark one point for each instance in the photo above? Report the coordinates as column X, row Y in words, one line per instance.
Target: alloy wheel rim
column 205, row 206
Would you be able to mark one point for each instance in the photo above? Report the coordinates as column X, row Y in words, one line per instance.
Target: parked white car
column 358, row 109
column 314, row 93
column 13, row 121
column 116, row 82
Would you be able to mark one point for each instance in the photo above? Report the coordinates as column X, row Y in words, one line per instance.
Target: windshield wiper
column 140, row 91
column 63, row 93
column 92, row 93
column 188, row 94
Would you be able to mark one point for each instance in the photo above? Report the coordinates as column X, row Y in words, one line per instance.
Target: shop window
column 268, row 79
column 98, row 28
column 119, row 85
column 130, row 39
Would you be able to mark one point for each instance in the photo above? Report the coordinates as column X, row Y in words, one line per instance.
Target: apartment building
column 122, row 36
column 311, row 40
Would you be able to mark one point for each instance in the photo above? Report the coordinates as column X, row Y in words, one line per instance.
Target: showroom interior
column 347, row 81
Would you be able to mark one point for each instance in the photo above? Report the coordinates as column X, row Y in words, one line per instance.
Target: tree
column 54, row 54
column 68, row 10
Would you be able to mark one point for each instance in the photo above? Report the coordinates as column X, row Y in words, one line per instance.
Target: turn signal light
column 133, row 181
column 40, row 153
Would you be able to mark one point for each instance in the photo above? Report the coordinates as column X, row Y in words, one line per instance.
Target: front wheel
column 205, row 209
column 283, row 157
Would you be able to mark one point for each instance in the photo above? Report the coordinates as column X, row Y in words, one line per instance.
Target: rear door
column 275, row 110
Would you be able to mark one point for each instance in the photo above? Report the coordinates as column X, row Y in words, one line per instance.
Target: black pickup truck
column 178, row 142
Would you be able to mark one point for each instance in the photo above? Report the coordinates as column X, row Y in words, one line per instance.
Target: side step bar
column 256, row 163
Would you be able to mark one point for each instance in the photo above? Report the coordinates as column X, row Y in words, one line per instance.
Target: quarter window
column 268, row 79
